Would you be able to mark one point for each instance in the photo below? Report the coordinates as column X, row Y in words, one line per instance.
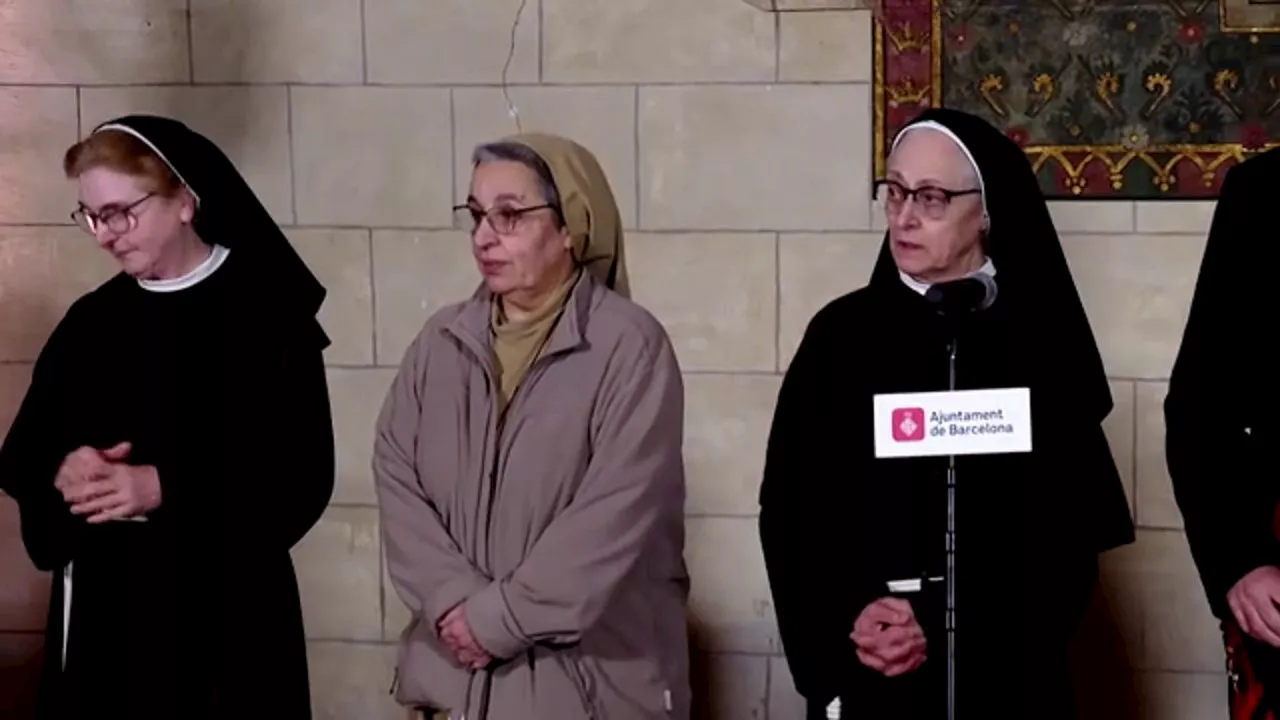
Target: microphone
column 964, row 296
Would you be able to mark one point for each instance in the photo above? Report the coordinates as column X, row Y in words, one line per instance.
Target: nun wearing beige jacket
column 529, row 469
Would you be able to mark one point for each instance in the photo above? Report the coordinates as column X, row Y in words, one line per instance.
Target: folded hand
column 456, row 634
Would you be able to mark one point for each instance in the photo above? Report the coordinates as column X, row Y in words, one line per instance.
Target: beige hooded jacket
column 563, row 535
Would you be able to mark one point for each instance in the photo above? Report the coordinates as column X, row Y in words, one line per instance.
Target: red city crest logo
column 908, row 424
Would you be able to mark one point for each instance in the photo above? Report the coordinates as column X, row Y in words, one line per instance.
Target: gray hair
column 508, row 151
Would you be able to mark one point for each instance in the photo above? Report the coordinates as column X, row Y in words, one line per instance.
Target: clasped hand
column 1255, row 602
column 456, row 633
column 889, row 639
column 102, row 486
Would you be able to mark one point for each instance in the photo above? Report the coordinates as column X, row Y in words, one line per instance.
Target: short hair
column 123, row 153
column 510, row 151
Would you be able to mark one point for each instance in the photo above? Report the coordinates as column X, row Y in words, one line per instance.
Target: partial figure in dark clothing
column 175, row 443
column 1221, row 427
column 853, row 543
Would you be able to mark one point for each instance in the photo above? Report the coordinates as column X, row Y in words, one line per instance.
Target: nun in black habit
column 175, row 443
column 1221, row 431
column 838, row 525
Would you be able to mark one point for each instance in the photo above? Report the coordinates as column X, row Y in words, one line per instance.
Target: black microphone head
column 970, row 294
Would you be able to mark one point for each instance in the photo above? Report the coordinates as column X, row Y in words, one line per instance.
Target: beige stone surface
column 14, row 378
column 1183, row 696
column 813, row 270
column 1136, row 290
column 104, row 41
column 730, row 686
column 352, row 681
column 338, row 576
column 785, row 703
column 276, row 41
column 601, row 119
column 727, row 420
column 342, row 261
column 24, row 594
column 1157, row 587
column 416, row 274
column 718, row 320
column 1092, row 216
column 250, row 124
column 372, row 156
column 656, row 41
column 1119, row 427
column 37, row 125
column 42, row 271
column 396, row 614
column 823, row 47
column 793, row 5
column 356, row 397
column 450, row 41
column 1185, row 216
column 738, row 143
column 762, row 157
column 731, row 607
column 1157, row 507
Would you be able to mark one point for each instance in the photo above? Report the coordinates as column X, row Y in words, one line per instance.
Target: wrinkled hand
column 456, row 634
column 1253, row 603
column 889, row 639
column 123, row 491
column 87, row 464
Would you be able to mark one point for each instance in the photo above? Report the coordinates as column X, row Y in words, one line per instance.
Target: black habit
column 837, row 524
column 221, row 386
column 1220, row 417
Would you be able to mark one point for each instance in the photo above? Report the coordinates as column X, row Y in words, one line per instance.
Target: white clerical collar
column 201, row 271
column 988, row 268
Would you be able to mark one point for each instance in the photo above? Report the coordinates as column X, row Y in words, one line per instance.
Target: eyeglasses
column 118, row 219
column 503, row 220
column 932, row 201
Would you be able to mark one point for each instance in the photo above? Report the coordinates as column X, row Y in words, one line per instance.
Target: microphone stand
column 951, row 552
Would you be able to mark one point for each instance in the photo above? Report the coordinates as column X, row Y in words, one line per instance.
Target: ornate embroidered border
column 908, row 51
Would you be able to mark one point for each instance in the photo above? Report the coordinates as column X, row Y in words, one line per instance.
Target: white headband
column 939, row 127
column 130, row 131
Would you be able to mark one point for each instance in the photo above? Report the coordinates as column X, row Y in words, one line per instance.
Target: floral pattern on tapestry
column 1137, row 100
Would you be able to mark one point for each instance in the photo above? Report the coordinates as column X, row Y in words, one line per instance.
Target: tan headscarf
column 590, row 211
column 595, row 231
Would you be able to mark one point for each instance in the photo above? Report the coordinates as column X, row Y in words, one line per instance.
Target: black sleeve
column 276, row 472
column 1213, row 448
column 802, row 524
column 33, row 451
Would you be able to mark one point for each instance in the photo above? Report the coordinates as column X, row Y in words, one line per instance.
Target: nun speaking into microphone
column 175, row 443
column 907, row 581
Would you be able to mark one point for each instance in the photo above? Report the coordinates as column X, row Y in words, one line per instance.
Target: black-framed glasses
column 933, row 201
column 119, row 219
column 503, row 220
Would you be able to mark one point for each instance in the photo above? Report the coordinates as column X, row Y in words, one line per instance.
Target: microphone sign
column 963, row 422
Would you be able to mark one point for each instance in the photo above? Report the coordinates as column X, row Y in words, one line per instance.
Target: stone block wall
column 738, row 143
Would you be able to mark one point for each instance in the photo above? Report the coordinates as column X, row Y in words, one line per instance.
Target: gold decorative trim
column 1117, row 158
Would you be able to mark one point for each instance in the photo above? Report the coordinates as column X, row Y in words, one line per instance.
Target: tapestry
column 1153, row 99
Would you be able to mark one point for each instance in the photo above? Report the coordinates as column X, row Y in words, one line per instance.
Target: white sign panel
column 964, row 422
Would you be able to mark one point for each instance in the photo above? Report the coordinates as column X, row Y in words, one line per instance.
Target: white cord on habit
column 833, row 710
column 511, row 53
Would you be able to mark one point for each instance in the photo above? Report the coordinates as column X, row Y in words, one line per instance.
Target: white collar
column 988, row 268
column 201, row 271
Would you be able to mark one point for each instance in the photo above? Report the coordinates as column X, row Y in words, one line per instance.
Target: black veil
column 1035, row 282
column 229, row 213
